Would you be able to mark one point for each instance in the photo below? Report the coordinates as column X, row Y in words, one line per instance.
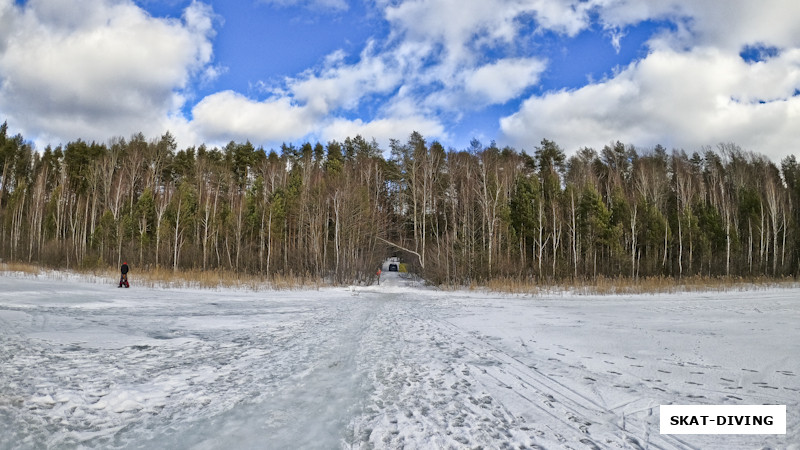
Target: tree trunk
column 177, row 228
column 680, row 247
column 633, row 241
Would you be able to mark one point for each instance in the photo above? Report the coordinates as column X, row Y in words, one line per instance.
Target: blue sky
column 681, row 73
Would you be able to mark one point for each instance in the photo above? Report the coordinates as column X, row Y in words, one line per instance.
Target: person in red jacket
column 124, row 278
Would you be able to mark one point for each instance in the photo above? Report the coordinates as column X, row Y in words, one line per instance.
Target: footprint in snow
column 634, row 442
column 588, row 442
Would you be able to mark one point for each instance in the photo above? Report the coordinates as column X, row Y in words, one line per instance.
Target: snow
column 85, row 364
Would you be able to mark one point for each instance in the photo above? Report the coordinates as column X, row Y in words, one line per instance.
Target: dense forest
column 335, row 211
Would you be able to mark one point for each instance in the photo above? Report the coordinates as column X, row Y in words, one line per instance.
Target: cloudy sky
column 681, row 73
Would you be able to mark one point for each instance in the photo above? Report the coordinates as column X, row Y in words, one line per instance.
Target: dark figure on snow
column 123, row 281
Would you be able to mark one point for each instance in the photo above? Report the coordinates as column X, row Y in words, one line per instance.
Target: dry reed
column 19, row 268
column 650, row 285
column 218, row 279
column 167, row 278
column 222, row 279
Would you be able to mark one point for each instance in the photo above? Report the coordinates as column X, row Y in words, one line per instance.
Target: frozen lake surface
column 84, row 364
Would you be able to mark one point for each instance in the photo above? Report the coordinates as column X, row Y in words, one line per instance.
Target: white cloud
column 227, row 115
column 341, row 86
column 7, row 19
column 97, row 68
column 725, row 25
column 505, row 79
column 463, row 27
column 382, row 130
column 681, row 99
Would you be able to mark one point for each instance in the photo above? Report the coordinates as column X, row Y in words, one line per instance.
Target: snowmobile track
column 577, row 411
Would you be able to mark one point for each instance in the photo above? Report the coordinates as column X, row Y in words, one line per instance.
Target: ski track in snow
column 88, row 365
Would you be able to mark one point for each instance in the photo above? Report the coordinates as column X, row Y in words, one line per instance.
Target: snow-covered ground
column 84, row 364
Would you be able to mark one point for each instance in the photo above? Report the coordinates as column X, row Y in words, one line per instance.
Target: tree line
column 336, row 211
